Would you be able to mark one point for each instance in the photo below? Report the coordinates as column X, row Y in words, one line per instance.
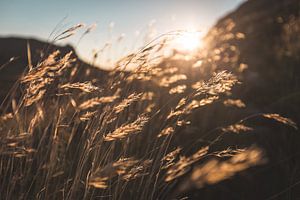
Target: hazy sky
column 38, row 18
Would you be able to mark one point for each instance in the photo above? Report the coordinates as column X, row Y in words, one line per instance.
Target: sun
column 188, row 41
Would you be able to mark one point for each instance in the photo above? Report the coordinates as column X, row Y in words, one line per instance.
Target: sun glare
column 188, row 41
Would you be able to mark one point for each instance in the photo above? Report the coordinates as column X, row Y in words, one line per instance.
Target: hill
column 14, row 61
column 260, row 42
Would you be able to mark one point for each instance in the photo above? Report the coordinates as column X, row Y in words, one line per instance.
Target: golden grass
column 110, row 139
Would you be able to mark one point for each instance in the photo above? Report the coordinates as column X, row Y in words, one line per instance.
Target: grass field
column 155, row 126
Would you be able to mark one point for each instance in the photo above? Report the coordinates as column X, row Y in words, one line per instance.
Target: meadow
column 155, row 126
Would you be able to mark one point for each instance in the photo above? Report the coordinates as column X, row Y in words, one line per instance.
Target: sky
column 128, row 19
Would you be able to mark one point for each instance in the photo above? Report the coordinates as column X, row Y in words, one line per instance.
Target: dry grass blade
column 97, row 101
column 166, row 131
column 73, row 28
column 43, row 75
column 169, row 159
column 127, row 102
column 198, row 103
column 137, row 171
column 183, row 165
column 126, row 130
column 98, row 182
column 99, row 178
column 178, row 89
column 219, row 83
column 175, row 113
column 85, row 87
column 29, row 56
column 29, row 100
column 122, row 165
column 281, row 119
column 229, row 152
column 237, row 128
column 69, row 32
column 6, row 117
column 66, row 36
column 38, row 117
column 51, row 66
column 168, row 80
column 234, row 102
column 215, row 171
column 87, row 116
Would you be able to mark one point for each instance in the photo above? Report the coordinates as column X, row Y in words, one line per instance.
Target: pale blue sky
column 37, row 18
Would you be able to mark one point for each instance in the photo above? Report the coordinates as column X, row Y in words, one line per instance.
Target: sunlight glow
column 189, row 41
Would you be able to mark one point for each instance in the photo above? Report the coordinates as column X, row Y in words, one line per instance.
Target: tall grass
column 123, row 137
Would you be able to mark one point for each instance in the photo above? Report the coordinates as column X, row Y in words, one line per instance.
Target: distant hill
column 14, row 60
column 262, row 36
column 260, row 41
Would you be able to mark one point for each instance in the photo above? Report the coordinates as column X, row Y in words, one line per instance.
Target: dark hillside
column 14, row 61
